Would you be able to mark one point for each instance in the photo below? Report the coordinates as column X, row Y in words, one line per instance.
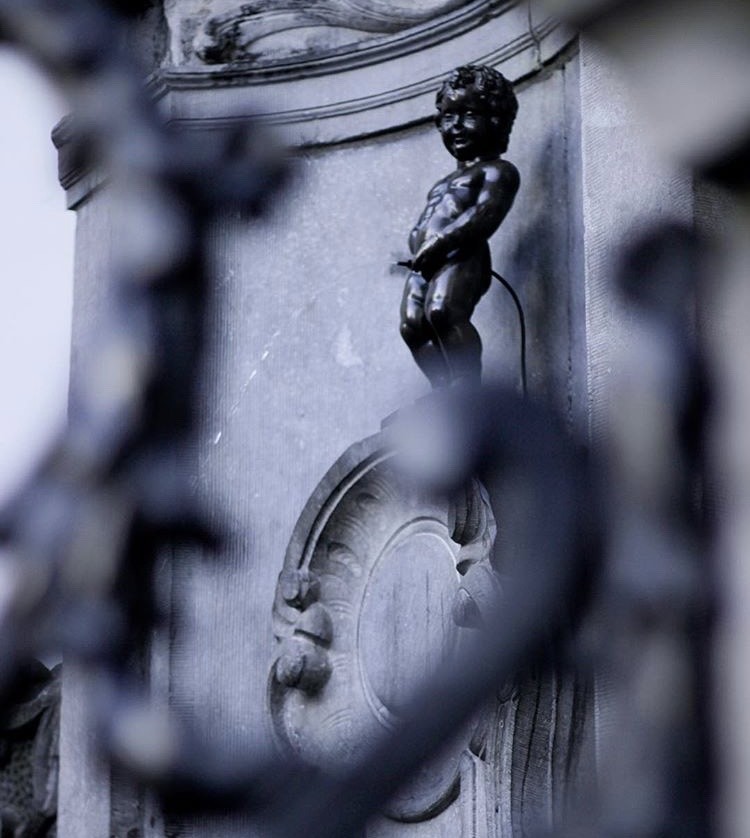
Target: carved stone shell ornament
column 379, row 583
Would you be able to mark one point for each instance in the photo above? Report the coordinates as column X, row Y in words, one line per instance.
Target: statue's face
column 467, row 129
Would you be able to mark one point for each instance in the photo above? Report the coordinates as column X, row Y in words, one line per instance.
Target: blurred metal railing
column 625, row 540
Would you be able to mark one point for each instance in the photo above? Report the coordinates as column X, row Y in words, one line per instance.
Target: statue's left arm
column 477, row 223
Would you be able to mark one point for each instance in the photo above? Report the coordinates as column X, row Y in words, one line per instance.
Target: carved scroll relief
column 263, row 32
column 378, row 585
column 266, row 27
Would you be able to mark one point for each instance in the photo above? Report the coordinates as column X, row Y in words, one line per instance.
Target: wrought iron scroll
column 82, row 536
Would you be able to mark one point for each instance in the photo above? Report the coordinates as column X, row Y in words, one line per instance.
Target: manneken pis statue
column 450, row 266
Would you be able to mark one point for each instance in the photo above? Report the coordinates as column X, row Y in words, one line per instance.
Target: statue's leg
column 448, row 307
column 418, row 335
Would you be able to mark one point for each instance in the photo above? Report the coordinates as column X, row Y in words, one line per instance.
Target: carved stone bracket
column 379, row 582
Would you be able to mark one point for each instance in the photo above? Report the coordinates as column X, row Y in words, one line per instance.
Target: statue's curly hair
column 496, row 91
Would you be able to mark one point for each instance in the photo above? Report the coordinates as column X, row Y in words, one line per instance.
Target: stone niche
column 277, row 641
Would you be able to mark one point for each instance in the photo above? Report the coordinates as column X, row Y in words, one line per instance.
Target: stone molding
column 381, row 86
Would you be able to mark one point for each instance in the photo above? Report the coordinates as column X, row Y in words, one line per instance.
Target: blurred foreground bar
column 688, row 64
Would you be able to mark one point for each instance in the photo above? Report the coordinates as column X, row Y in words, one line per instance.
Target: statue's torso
column 448, row 199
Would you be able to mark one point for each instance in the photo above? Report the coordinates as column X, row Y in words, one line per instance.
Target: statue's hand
column 429, row 257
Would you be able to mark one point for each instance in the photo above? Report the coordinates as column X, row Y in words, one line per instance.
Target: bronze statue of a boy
column 451, row 267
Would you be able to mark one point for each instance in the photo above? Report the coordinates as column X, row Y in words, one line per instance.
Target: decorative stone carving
column 261, row 28
column 29, row 757
column 380, row 583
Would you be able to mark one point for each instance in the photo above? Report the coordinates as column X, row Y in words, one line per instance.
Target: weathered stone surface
column 267, row 31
